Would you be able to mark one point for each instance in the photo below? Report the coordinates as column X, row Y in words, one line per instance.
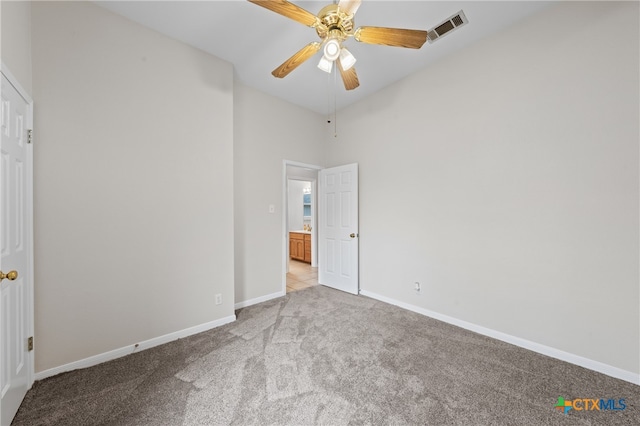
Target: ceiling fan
column 334, row 24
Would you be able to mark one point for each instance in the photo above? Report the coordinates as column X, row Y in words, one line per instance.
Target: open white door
column 338, row 228
column 16, row 224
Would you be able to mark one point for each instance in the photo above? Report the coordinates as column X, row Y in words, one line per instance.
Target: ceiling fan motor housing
column 334, row 23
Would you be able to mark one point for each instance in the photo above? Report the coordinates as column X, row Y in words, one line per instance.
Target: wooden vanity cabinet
column 300, row 246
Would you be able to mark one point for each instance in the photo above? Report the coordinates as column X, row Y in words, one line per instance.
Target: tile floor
column 300, row 276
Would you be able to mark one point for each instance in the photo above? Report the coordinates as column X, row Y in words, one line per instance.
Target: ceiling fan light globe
column 325, row 64
column 347, row 60
column 332, row 50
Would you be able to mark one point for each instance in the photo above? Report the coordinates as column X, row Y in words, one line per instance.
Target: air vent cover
column 454, row 22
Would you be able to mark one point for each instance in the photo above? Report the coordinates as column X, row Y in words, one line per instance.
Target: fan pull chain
column 335, row 102
column 329, row 98
column 331, row 90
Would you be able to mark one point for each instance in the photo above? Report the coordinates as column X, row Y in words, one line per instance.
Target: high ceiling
column 256, row 40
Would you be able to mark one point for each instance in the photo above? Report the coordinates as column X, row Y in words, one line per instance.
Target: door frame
column 29, row 279
column 285, row 215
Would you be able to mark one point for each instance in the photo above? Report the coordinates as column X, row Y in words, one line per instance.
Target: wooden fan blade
column 398, row 37
column 289, row 10
column 349, row 6
column 298, row 58
column 349, row 77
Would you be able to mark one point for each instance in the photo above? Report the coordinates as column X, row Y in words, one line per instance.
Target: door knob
column 352, row 235
column 11, row 275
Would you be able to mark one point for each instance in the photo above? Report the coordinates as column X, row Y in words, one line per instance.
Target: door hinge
column 29, row 135
column 30, row 343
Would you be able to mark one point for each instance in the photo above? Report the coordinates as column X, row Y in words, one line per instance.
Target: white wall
column 133, row 183
column 266, row 132
column 295, row 218
column 505, row 180
column 16, row 40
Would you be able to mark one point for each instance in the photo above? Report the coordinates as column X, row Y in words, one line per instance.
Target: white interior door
column 16, row 362
column 338, row 228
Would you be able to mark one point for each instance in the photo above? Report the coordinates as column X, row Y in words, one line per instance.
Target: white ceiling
column 256, row 40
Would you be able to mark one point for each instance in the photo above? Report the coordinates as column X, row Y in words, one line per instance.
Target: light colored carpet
column 320, row 356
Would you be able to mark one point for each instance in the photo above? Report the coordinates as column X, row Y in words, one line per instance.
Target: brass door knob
column 352, row 235
column 11, row 275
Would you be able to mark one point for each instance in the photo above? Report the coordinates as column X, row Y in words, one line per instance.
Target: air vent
column 454, row 22
column 444, row 28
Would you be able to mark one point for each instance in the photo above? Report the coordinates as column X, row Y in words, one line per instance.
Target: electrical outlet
column 218, row 299
column 416, row 287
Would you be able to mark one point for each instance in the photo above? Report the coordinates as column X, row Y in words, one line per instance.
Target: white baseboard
column 259, row 299
column 117, row 353
column 590, row 364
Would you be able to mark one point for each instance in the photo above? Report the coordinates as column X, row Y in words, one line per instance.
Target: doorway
column 302, row 271
column 299, row 226
column 336, row 251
